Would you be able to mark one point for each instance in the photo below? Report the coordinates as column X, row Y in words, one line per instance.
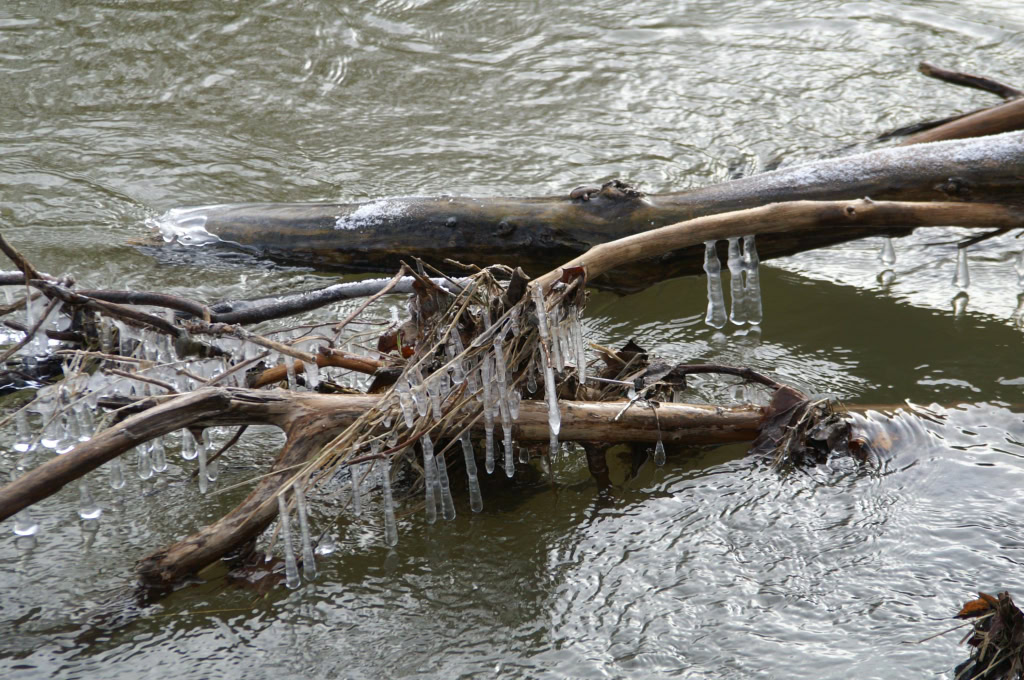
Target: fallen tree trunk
column 539, row 234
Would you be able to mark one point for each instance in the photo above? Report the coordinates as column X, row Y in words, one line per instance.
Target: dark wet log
column 541, row 233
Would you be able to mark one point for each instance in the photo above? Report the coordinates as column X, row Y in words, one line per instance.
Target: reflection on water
column 710, row 567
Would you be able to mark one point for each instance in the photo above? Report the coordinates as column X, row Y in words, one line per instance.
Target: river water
column 713, row 566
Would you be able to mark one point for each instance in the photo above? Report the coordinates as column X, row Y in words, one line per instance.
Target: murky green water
column 112, row 112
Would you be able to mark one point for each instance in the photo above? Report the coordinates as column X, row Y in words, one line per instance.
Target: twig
column 142, row 378
column 107, row 308
column 969, row 80
column 131, row 297
column 32, row 331
column 366, row 303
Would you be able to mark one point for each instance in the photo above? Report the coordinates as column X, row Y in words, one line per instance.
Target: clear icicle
column 158, row 455
column 289, row 369
column 485, row 370
column 659, row 453
column 554, row 415
column 418, row 396
column 476, row 502
column 430, row 481
column 455, row 349
column 531, row 379
column 116, row 474
column 447, row 503
column 716, row 316
column 555, row 448
column 514, row 400
column 308, row 561
column 434, row 392
column 189, row 447
column 405, row 403
column 752, row 282
column 145, row 467
column 962, row 278
column 887, row 255
column 25, row 524
column 202, row 451
column 87, row 507
column 356, row 473
column 291, row 566
column 580, row 347
column 1018, row 266
column 390, row 524
column 737, row 301
column 510, row 465
column 312, row 374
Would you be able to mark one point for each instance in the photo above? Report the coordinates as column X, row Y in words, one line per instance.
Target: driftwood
column 538, row 234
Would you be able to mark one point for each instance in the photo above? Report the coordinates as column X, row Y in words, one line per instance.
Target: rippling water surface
column 112, row 112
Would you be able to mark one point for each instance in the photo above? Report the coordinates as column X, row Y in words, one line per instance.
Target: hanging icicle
column 308, row 561
column 716, row 316
column 752, row 281
column 390, row 524
column 476, row 503
column 962, row 278
column 887, row 255
column 737, row 297
column 291, row 567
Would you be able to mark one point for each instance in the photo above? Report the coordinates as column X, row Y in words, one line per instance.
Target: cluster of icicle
column 744, row 284
column 66, row 410
column 482, row 373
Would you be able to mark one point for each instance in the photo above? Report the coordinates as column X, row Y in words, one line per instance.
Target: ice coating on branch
column 737, row 301
column 752, row 283
column 476, row 501
column 962, row 278
column 291, row 567
column 371, row 214
column 430, row 481
column 716, row 316
column 308, row 561
column 455, row 349
column 390, row 524
column 887, row 255
column 447, row 503
column 186, row 226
